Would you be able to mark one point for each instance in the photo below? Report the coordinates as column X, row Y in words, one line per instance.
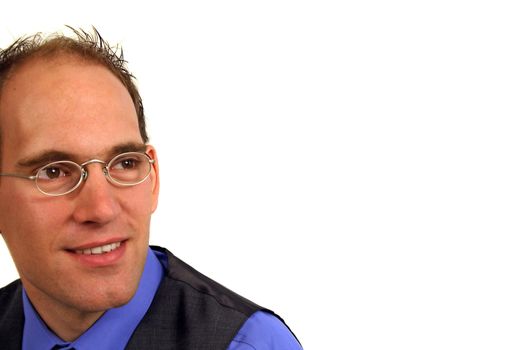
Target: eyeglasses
column 63, row 177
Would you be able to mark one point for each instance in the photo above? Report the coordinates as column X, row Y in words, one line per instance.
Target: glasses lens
column 129, row 168
column 58, row 177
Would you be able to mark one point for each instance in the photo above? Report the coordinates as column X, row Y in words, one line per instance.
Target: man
column 78, row 185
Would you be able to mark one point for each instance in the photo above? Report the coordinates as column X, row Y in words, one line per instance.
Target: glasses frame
column 84, row 172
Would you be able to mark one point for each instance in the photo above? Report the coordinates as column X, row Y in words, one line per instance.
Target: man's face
column 80, row 109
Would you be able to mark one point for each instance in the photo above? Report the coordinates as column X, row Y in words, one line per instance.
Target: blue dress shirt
column 113, row 330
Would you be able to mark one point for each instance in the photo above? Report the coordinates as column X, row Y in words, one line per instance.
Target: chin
column 104, row 299
column 104, row 303
column 120, row 301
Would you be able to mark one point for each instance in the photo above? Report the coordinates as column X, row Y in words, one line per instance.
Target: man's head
column 72, row 99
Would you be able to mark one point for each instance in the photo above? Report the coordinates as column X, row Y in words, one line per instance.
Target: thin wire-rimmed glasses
column 63, row 177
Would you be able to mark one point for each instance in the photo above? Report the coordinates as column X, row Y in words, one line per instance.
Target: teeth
column 99, row 250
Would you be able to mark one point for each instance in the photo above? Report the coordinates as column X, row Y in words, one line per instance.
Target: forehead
column 64, row 104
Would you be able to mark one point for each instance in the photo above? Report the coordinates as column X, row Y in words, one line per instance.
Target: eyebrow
column 127, row 147
column 49, row 156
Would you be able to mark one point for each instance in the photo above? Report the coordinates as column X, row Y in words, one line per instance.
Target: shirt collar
column 113, row 330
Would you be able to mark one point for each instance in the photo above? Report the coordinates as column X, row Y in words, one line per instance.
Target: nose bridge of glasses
column 92, row 161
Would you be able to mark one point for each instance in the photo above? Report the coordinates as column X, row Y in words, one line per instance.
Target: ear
column 154, row 176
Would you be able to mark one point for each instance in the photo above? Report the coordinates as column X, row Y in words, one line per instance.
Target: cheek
column 32, row 223
column 139, row 200
column 30, row 245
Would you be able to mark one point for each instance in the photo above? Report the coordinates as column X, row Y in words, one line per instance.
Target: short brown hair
column 85, row 45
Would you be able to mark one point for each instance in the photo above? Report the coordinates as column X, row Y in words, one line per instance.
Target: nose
column 96, row 201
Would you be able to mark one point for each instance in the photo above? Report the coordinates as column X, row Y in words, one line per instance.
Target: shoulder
column 10, row 294
column 11, row 315
column 10, row 288
column 193, row 283
column 195, row 312
column 191, row 310
column 264, row 331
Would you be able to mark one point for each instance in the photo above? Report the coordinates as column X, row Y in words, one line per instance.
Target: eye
column 125, row 163
column 129, row 168
column 54, row 171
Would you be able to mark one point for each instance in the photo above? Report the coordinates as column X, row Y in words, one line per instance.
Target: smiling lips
column 103, row 249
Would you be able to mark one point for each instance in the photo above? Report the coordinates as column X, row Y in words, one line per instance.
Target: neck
column 66, row 322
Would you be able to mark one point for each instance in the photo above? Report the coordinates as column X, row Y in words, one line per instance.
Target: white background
column 358, row 167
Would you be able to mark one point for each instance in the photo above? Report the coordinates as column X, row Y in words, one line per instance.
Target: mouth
column 103, row 249
column 100, row 254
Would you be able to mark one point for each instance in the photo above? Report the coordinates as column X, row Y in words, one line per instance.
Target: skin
column 65, row 104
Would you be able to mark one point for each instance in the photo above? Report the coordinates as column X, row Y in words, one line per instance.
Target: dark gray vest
column 189, row 312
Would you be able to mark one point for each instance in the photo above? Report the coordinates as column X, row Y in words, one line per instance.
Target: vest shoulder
column 204, row 288
column 10, row 293
column 190, row 311
column 11, row 288
column 11, row 316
